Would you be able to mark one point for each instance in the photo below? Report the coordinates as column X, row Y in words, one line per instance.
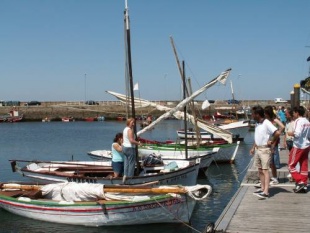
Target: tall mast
column 232, row 91
column 184, row 109
column 129, row 70
column 186, row 91
column 127, row 88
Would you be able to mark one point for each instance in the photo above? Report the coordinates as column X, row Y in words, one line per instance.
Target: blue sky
column 47, row 47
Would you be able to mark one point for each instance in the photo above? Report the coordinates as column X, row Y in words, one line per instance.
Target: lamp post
column 85, row 87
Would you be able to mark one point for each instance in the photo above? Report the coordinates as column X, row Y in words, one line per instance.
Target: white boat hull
column 171, row 153
column 101, row 155
column 48, row 172
column 158, row 209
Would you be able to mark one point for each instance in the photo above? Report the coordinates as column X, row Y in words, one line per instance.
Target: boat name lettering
column 81, row 180
column 157, row 205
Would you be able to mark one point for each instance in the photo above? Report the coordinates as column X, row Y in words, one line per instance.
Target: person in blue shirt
column 281, row 115
column 117, row 155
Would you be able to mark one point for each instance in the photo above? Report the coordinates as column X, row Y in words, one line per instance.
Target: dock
column 283, row 211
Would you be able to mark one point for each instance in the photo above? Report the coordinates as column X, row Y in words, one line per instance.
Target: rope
column 192, row 189
column 179, row 220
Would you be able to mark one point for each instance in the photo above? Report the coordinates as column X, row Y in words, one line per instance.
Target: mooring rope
column 184, row 223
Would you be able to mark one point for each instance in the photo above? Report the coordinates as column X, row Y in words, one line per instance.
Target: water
column 64, row 141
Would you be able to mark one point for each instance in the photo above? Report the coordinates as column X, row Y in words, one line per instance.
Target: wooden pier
column 283, row 211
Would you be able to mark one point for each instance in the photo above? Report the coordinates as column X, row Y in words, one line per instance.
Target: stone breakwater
column 111, row 109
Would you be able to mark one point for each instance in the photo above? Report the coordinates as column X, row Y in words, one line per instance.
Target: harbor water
column 66, row 141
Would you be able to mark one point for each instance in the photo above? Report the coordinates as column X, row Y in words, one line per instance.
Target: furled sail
column 226, row 135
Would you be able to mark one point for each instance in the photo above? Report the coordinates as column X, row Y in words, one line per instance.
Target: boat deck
column 283, row 211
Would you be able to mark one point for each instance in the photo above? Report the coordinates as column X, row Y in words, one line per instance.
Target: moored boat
column 178, row 153
column 239, row 130
column 101, row 155
column 12, row 116
column 167, row 152
column 95, row 205
column 170, row 173
column 67, row 119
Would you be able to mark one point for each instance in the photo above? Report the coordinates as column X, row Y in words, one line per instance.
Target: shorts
column 118, row 167
column 262, row 158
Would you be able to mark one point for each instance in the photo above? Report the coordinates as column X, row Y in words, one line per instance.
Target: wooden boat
column 67, row 119
column 101, row 155
column 12, row 116
column 102, row 206
column 168, row 152
column 178, row 153
column 90, row 119
column 239, row 130
column 225, row 152
column 170, row 173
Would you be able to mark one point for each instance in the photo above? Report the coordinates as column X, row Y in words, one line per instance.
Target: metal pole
column 85, row 87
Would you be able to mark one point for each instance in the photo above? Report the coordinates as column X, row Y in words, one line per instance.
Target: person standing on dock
column 264, row 131
column 129, row 149
column 289, row 127
column 300, row 150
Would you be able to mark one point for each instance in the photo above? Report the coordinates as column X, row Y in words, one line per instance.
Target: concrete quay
column 113, row 109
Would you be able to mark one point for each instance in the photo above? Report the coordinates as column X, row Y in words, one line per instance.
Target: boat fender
column 26, row 199
column 66, row 202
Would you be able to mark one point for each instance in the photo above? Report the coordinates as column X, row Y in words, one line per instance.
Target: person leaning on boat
column 129, row 148
column 117, row 155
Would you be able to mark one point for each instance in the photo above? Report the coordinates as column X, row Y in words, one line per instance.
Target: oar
column 59, row 162
column 108, row 189
column 145, row 190
column 20, row 186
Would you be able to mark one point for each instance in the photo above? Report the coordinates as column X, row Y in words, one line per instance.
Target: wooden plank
column 283, row 211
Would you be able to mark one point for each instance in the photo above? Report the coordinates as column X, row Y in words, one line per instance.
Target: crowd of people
column 270, row 125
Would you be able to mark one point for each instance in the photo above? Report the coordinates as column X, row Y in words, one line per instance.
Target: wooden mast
column 130, row 77
column 186, row 91
column 185, row 111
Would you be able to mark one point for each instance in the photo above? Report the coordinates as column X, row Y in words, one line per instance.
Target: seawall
column 113, row 109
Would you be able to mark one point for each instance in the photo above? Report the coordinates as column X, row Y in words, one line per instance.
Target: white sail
column 220, row 78
column 226, row 135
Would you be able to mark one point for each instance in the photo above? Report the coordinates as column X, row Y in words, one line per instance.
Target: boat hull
column 170, row 153
column 162, row 209
column 226, row 153
column 48, row 172
column 100, row 155
column 239, row 130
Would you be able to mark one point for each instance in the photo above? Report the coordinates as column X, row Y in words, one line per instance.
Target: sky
column 73, row 50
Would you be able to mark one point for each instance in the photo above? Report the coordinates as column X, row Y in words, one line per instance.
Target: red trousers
column 301, row 156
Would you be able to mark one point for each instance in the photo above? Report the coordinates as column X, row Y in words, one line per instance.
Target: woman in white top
column 117, row 155
column 129, row 149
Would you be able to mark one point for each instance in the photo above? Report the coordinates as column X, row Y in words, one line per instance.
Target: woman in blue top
column 117, row 155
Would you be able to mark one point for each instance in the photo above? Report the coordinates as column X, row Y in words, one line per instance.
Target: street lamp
column 85, row 87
